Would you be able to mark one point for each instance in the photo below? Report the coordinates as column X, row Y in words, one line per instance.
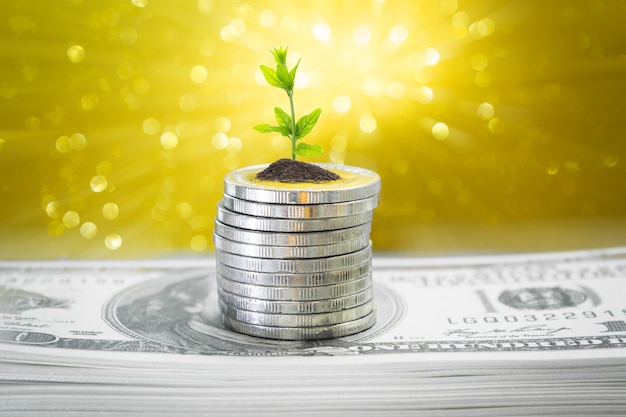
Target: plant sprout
column 283, row 78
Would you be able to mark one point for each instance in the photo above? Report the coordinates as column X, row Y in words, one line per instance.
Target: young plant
column 284, row 78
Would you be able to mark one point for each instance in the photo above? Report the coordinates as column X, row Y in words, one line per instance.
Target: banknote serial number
column 514, row 318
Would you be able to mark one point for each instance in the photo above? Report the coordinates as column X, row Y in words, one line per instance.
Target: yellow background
column 496, row 126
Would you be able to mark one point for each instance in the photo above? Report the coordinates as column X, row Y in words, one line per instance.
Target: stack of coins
column 294, row 259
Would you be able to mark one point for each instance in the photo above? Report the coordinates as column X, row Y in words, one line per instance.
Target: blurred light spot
column 610, row 161
column 267, row 18
column 425, row 95
column 339, row 143
column 235, row 96
column 184, row 210
column 399, row 167
column 571, row 167
column 198, row 74
column 78, row 141
column 52, row 210
column 553, row 168
column 485, row 111
column 398, row 34
column 233, row 30
column 113, row 241
column 169, row 140
column 367, row 123
column 362, row 35
column 62, row 144
column 125, row 70
column 32, row 123
column 280, row 143
column 184, row 129
column 187, row 102
column 231, row 161
column 110, row 211
column 198, row 243
column 76, row 54
column 460, row 20
column 435, row 186
column 449, row 6
column 222, row 124
column 484, row 27
column 88, row 230
column 151, row 126
column 482, row 78
column 128, row 36
column 206, row 7
column 140, row 3
column 259, row 78
column 71, row 219
column 199, row 223
column 55, row 228
column 479, row 61
column 301, row 81
column 89, row 101
column 219, row 140
column 321, row 31
column 2, row 142
column 496, row 125
column 234, row 145
column 395, row 89
column 141, row 85
column 132, row 101
column 104, row 168
column 440, row 131
column 98, row 183
column 431, row 56
column 373, row 87
column 6, row 91
column 207, row 47
column 342, row 104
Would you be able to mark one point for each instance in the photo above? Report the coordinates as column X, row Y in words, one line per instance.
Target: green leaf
column 283, row 118
column 307, row 123
column 280, row 55
column 265, row 128
column 292, row 73
column 271, row 76
column 284, row 77
column 304, row 149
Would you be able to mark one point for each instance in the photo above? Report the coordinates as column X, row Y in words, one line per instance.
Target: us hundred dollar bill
column 567, row 302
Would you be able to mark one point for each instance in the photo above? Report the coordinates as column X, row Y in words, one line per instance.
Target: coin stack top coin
column 294, row 259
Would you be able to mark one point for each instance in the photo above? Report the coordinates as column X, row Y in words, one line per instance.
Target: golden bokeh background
column 496, row 126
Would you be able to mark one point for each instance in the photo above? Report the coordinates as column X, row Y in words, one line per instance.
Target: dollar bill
column 570, row 303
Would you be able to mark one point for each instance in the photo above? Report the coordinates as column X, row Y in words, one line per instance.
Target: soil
column 287, row 170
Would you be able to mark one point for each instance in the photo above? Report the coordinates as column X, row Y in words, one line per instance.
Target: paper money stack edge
column 293, row 260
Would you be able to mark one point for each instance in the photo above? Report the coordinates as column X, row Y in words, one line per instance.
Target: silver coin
column 302, row 333
column 244, row 221
column 294, row 280
column 295, row 307
column 295, row 293
column 290, row 252
column 297, row 320
column 291, row 239
column 300, row 211
column 355, row 184
column 294, row 266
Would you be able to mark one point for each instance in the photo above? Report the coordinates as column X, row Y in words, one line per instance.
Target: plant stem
column 293, row 126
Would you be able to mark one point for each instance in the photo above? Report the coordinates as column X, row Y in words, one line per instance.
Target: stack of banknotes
column 294, row 260
column 508, row 335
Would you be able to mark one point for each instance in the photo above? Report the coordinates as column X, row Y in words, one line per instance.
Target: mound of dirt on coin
column 287, row 170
